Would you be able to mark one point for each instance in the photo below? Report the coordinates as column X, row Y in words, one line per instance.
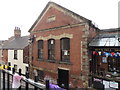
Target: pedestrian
column 16, row 81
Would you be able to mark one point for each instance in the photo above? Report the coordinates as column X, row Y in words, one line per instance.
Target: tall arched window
column 40, row 49
column 51, row 49
column 65, row 49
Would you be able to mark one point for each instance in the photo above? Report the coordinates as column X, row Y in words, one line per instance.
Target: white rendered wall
column 19, row 61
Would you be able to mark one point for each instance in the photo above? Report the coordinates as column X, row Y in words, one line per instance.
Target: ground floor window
column 40, row 75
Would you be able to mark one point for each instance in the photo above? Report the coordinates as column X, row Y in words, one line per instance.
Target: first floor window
column 65, row 49
column 15, row 54
column 51, row 49
column 40, row 49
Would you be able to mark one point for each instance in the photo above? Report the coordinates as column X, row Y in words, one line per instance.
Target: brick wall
column 5, row 56
column 63, row 25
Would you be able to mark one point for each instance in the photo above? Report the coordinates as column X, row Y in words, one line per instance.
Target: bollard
column 13, row 70
column 20, row 71
column 27, row 76
column 4, row 67
column 35, row 79
column 9, row 64
column 8, row 79
column 3, row 79
column 47, row 84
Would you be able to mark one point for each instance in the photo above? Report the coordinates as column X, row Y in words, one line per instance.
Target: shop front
column 105, row 84
column 105, row 67
column 105, row 62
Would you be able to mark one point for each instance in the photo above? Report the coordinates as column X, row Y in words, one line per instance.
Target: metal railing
column 6, row 77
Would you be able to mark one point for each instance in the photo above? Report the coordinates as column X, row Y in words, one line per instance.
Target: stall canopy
column 106, row 40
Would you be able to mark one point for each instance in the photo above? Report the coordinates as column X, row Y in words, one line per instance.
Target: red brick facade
column 56, row 22
column 5, row 56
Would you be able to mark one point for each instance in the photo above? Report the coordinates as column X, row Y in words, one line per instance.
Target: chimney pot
column 17, row 32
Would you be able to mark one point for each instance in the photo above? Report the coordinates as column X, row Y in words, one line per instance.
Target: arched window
column 51, row 49
column 40, row 49
column 65, row 49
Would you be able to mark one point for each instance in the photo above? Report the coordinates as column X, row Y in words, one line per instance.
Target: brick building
column 3, row 57
column 59, row 45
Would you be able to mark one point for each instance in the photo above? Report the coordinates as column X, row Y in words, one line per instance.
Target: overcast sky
column 23, row 13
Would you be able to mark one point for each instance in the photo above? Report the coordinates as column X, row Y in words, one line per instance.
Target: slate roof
column 17, row 43
column 110, row 30
column 1, row 42
column 106, row 40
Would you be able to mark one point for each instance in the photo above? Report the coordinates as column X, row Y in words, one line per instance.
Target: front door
column 63, row 78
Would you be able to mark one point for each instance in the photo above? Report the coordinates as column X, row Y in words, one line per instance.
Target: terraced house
column 16, row 51
column 59, row 42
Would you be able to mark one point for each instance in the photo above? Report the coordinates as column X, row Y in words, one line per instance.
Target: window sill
column 40, row 59
column 52, row 61
column 55, row 61
column 15, row 59
column 65, row 62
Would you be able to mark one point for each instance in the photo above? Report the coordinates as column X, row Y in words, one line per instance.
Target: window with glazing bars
column 51, row 49
column 15, row 54
column 40, row 49
column 65, row 49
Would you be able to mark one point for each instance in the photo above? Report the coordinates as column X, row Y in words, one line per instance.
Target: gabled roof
column 17, row 43
column 50, row 4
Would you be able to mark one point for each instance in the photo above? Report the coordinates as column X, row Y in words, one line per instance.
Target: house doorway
column 63, row 78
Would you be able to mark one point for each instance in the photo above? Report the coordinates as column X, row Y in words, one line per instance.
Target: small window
column 40, row 49
column 15, row 67
column 15, row 54
column 51, row 49
column 40, row 75
column 65, row 49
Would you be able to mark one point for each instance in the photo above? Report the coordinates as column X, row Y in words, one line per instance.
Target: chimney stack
column 17, row 32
